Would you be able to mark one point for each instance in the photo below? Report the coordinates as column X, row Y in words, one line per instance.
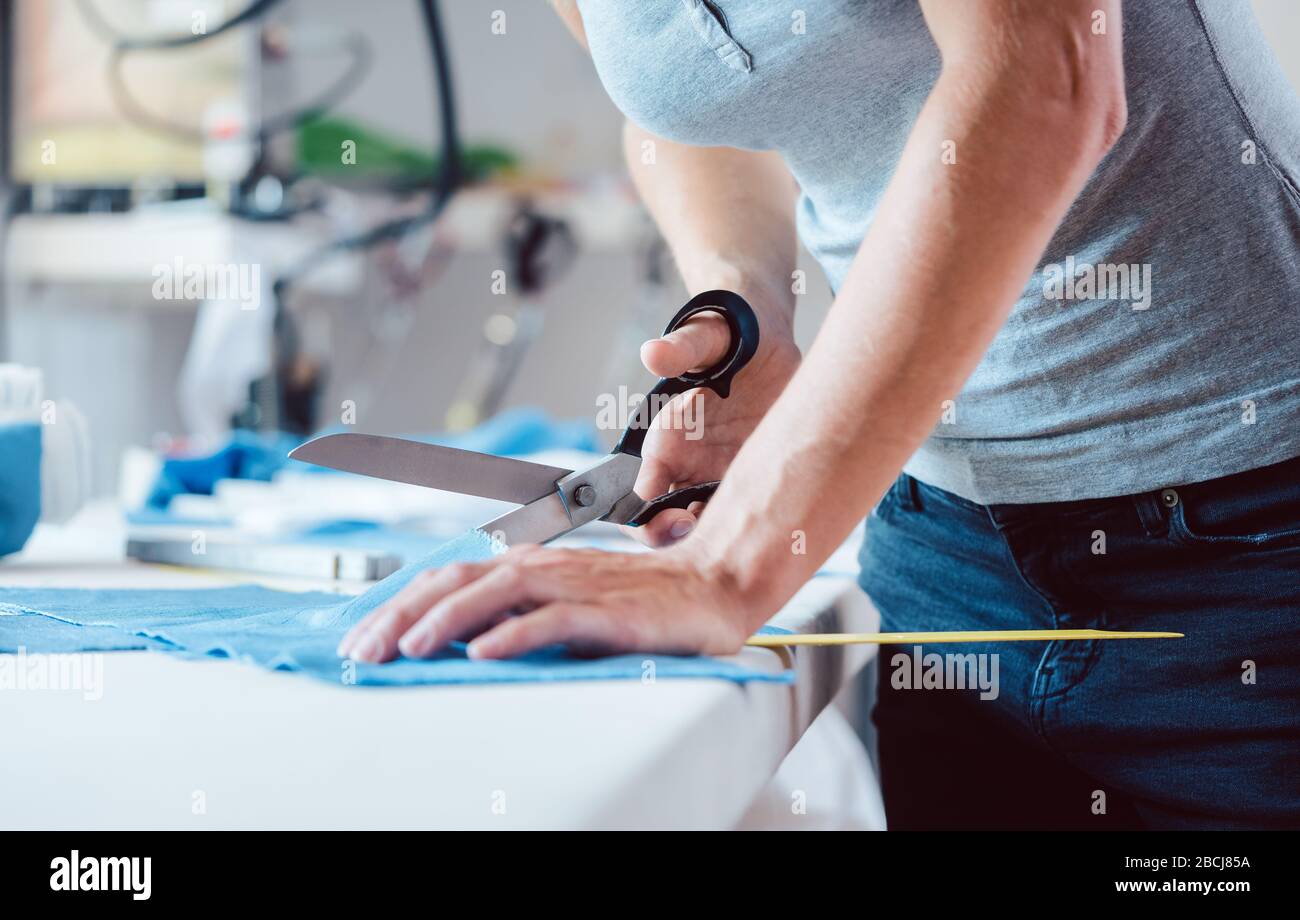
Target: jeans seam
column 1039, row 695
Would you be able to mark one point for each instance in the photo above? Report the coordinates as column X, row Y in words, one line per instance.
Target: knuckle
column 459, row 571
column 731, row 636
column 563, row 620
column 397, row 614
column 629, row 632
column 510, row 576
column 538, row 561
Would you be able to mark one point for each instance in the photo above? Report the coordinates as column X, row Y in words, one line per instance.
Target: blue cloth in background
column 248, row 455
column 300, row 631
column 20, row 484
column 523, row 431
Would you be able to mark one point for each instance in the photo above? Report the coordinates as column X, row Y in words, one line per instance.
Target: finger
column 664, row 529
column 579, row 626
column 699, row 342
column 374, row 638
column 654, row 478
column 469, row 610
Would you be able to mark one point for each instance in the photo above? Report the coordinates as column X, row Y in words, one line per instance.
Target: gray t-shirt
column 1158, row 341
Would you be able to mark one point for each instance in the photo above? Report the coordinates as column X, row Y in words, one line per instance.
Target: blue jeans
column 1200, row 732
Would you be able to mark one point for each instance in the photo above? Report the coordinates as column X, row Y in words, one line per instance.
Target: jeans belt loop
column 907, row 495
column 1152, row 512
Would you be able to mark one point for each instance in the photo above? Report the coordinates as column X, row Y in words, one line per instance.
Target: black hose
column 124, row 45
column 448, row 178
column 169, row 42
column 359, row 65
column 446, row 181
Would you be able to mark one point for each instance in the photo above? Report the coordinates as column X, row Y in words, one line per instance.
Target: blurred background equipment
column 320, row 144
column 539, row 250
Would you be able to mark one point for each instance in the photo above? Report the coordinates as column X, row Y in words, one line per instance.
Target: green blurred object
column 322, row 152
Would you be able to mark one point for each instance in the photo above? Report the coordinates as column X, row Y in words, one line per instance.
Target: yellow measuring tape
column 905, row 638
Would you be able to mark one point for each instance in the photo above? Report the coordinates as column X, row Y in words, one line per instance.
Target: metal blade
column 579, row 498
column 432, row 466
column 537, row 522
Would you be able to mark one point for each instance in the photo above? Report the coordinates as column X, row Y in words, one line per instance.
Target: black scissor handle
column 743, row 326
column 678, row 498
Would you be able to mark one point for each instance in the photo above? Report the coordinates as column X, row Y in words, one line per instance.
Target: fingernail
column 350, row 640
column 681, row 528
column 368, row 648
column 416, row 643
column 479, row 648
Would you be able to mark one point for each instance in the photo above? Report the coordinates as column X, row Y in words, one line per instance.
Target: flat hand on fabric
column 293, row 631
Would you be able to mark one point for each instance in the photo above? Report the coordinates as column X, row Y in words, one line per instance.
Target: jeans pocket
column 711, row 23
column 1243, row 534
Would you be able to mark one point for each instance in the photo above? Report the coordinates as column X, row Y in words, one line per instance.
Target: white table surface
column 260, row 749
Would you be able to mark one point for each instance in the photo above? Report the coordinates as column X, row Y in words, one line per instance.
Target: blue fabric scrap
column 259, row 456
column 20, row 484
column 299, row 632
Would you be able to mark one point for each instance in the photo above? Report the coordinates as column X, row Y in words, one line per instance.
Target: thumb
column 697, row 344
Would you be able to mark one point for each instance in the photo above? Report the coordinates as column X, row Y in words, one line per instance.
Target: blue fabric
column 259, row 456
column 299, row 632
column 1169, row 730
column 20, row 484
column 245, row 456
column 523, row 431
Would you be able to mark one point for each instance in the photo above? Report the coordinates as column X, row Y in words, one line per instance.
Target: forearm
column 948, row 253
column 727, row 215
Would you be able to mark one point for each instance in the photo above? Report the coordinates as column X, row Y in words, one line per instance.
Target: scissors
column 554, row 500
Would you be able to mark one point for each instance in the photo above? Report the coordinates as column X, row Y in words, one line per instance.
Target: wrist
column 772, row 298
column 748, row 594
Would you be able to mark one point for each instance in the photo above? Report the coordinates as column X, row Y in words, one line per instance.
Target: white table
column 176, row 743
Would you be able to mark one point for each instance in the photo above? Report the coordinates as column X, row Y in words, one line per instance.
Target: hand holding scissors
column 592, row 600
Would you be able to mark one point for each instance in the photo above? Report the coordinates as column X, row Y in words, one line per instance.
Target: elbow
column 1099, row 110
column 1055, row 69
column 1085, row 129
column 1112, row 120
column 1076, row 80
column 1084, row 114
column 1087, row 83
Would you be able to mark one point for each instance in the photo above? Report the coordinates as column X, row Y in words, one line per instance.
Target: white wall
column 1280, row 22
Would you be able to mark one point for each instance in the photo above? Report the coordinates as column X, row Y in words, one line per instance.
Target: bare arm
column 728, row 217
column 727, row 214
column 1031, row 100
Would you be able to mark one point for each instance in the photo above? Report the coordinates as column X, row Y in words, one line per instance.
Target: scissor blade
column 594, row 493
column 537, row 522
column 432, row 466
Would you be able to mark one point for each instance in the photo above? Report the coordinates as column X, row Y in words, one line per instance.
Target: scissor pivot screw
column 585, row 496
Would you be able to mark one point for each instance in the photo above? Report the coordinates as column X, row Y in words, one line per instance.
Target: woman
column 1063, row 241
